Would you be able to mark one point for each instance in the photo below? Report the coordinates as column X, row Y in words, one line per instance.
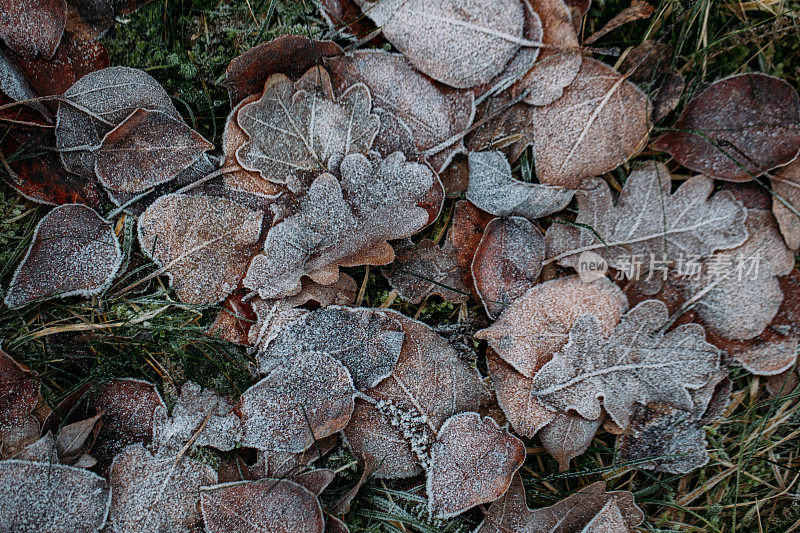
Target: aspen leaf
column 493, row 189
column 507, row 262
column 73, row 252
column 600, row 122
column 275, row 505
column 50, row 497
column 646, row 221
column 32, row 27
column 422, row 270
column 462, row 43
column 203, row 243
column 148, row 148
column 472, row 463
column 737, row 128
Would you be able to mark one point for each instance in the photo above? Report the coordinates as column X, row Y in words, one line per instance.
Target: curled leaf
column 422, row 270
column 73, row 252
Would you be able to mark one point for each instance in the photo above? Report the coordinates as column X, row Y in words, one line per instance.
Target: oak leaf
column 424, row 269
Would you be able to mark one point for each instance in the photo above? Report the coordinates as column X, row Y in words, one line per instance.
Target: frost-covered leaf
column 666, row 439
column 737, row 129
column 568, row 436
column 291, row 55
column 646, row 222
column 203, row 243
column 502, row 123
column 19, row 397
column 344, row 221
column 570, row 515
column 31, row 27
column 507, row 262
column 97, row 103
column 148, row 148
column 600, row 122
column 41, row 451
column 418, row 116
column 493, row 189
column 302, row 399
column 737, row 291
column 424, row 269
column 786, row 202
column 72, row 438
column 472, row 463
column 536, row 325
column 199, row 414
column 282, row 464
column 278, row 505
column 430, row 384
column 466, row 232
column 609, row 519
column 73, row 252
column 37, row 497
column 461, row 43
column 317, row 480
column 366, row 341
column 294, row 131
column 14, row 85
column 156, row 493
column 637, row 363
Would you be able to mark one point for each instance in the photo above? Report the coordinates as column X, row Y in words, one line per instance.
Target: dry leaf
column 608, row 520
column 73, row 252
column 345, row 18
column 502, row 123
column 203, row 243
column 466, row 231
column 568, row 436
column 639, row 9
column 37, row 497
column 737, row 129
column 570, row 515
column 418, row 115
column 269, row 505
column 366, row 341
column 72, row 438
column 156, row 493
column 301, row 400
column 493, row 189
column 281, row 464
column 14, row 84
column 537, row 324
column 507, row 262
column 462, row 43
column 148, row 148
column 32, row 27
column 430, row 384
column 294, row 131
column 422, row 270
column 91, row 18
column 97, row 103
column 19, row 397
column 235, row 319
column 316, row 481
column 646, row 222
column 786, row 202
column 601, row 121
column 41, row 451
column 344, row 221
column 637, row 363
column 472, row 463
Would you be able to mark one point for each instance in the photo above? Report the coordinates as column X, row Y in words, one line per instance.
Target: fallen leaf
column 72, row 438
column 784, row 384
column 147, row 149
column 344, row 221
column 570, row 515
column 639, row 9
column 465, row 234
column 235, row 319
column 430, row 384
column 648, row 231
column 493, row 189
column 472, row 462
column 282, row 464
column 97, row 103
column 275, row 505
column 568, row 436
column 507, row 262
column 637, row 363
column 73, row 252
column 316, row 481
column 14, row 85
column 608, row 520
column 601, row 121
column 737, row 128
column 294, row 131
column 41, row 451
column 459, row 43
column 91, row 18
column 786, row 202
column 299, row 401
column 424, row 269
column 31, row 28
column 503, row 123
column 537, row 324
column 19, row 397
column 418, row 116
column 156, row 493
column 291, row 55
column 51, row 497
column 203, row 243
column 345, row 17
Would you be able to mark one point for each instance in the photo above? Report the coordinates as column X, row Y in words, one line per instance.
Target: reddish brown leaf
column 639, row 9
column 422, row 270
column 31, row 27
column 234, row 320
column 786, row 202
column 91, row 18
column 19, row 397
column 466, row 231
column 737, row 129
column 345, row 17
